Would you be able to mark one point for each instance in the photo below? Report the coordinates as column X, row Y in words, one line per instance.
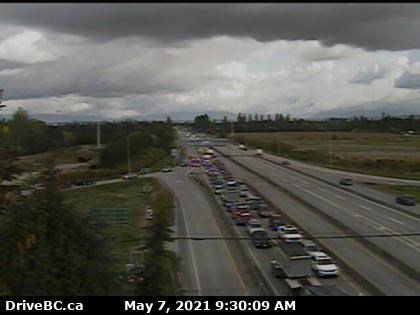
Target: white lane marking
column 407, row 241
column 304, row 182
column 340, row 197
column 330, row 186
column 275, row 175
column 297, row 186
column 364, row 207
column 395, row 220
column 321, row 189
column 194, row 262
column 267, row 278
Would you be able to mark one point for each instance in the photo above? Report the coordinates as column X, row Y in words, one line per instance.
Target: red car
column 242, row 218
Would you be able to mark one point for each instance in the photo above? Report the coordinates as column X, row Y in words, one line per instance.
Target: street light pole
column 330, row 149
column 128, row 154
column 98, row 135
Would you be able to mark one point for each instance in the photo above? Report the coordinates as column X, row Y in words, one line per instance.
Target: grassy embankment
column 122, row 239
column 67, row 159
column 383, row 154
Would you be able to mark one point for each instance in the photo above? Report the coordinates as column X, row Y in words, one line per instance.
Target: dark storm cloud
column 95, row 70
column 408, row 81
column 371, row 26
column 10, row 65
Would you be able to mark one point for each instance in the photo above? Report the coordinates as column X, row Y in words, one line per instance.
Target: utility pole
column 1, row 93
column 128, row 154
column 330, row 149
column 98, row 136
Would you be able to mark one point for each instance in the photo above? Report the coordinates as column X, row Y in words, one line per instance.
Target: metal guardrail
column 257, row 274
column 368, row 285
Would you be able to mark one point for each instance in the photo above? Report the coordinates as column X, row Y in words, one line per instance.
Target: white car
column 231, row 183
column 244, row 191
column 254, row 224
column 323, row 265
column 219, row 191
column 149, row 213
column 259, row 152
column 310, row 247
column 289, row 233
column 129, row 176
column 251, row 198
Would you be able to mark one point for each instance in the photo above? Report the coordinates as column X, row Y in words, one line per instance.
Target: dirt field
column 377, row 153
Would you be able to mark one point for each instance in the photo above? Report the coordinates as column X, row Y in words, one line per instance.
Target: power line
column 349, row 236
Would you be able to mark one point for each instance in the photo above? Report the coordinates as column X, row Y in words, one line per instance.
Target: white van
column 149, row 214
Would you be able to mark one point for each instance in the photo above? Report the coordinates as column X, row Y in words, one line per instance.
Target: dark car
column 261, row 239
column 406, row 200
column 83, row 183
column 285, row 163
column 218, row 184
column 183, row 164
column 346, row 181
column 275, row 221
column 263, row 210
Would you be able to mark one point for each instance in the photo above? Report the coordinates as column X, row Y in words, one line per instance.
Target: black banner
column 180, row 305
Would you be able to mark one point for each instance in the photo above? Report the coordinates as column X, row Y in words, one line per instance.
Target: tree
column 241, row 118
column 154, row 273
column 202, row 122
column 50, row 249
column 168, row 120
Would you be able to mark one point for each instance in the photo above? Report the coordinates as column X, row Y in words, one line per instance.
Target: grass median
column 122, row 239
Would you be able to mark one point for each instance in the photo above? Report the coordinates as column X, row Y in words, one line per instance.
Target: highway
column 351, row 210
column 207, row 267
column 261, row 258
column 359, row 187
column 361, row 215
column 324, row 171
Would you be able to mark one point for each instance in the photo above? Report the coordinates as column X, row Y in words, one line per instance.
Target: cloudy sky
column 111, row 61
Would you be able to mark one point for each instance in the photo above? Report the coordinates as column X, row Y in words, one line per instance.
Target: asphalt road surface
column 340, row 174
column 207, row 267
column 362, row 216
column 262, row 257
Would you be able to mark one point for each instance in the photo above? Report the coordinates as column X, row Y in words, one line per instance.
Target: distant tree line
column 284, row 122
column 158, row 136
column 32, row 136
